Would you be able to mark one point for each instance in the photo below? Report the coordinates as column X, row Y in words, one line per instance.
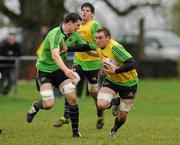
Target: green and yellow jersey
column 87, row 32
column 116, row 52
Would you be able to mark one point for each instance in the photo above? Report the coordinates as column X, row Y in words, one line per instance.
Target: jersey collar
column 65, row 36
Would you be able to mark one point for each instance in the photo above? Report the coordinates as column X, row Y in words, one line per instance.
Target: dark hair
column 89, row 5
column 73, row 17
column 105, row 30
column 11, row 33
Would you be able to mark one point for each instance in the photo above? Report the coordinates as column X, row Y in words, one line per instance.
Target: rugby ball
column 108, row 62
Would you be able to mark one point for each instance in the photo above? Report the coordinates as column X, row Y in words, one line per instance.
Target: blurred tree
column 176, row 17
column 33, row 15
column 132, row 7
column 138, row 53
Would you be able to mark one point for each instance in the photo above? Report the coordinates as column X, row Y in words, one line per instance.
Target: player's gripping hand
column 109, row 66
column 109, row 69
column 70, row 73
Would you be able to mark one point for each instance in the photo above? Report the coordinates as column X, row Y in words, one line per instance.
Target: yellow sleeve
column 39, row 50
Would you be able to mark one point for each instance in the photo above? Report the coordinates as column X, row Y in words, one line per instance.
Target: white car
column 159, row 45
column 162, row 45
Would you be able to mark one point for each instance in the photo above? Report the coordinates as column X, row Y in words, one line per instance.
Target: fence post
column 16, row 74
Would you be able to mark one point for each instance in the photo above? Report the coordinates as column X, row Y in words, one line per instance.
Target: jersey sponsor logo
column 94, row 78
column 70, row 39
column 43, row 79
column 130, row 94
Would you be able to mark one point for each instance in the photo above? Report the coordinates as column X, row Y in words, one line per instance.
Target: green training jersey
column 74, row 39
column 53, row 40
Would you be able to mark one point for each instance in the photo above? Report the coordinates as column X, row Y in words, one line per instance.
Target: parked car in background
column 162, row 45
column 159, row 45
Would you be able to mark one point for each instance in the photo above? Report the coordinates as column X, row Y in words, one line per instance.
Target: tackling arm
column 79, row 48
column 83, row 48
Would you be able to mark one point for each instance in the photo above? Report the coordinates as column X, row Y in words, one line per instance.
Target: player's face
column 86, row 14
column 101, row 39
column 75, row 26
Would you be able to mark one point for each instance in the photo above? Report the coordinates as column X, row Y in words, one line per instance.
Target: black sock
column 74, row 116
column 99, row 112
column 118, row 123
column 38, row 105
column 66, row 109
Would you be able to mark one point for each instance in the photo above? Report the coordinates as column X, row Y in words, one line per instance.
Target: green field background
column 153, row 120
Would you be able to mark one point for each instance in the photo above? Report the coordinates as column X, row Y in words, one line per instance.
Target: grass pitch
column 154, row 119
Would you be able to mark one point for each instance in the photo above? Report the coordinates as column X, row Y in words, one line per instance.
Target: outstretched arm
column 58, row 60
column 79, row 48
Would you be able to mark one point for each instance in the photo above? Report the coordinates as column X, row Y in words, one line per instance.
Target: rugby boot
column 61, row 122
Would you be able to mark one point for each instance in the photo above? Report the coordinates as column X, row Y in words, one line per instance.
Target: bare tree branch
column 131, row 8
column 13, row 16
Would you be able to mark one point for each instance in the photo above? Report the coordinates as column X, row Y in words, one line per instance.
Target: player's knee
column 48, row 104
column 93, row 89
column 47, row 98
column 101, row 105
column 94, row 95
column 123, row 107
column 105, row 96
column 104, row 100
column 67, row 88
